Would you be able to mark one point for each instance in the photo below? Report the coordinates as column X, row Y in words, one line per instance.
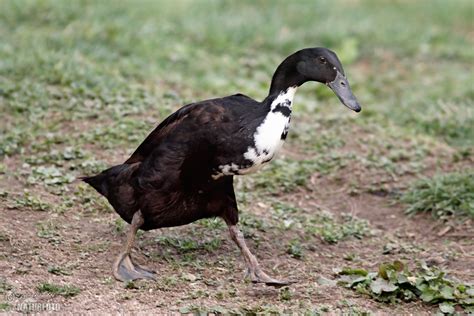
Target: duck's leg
column 124, row 269
column 254, row 272
column 230, row 215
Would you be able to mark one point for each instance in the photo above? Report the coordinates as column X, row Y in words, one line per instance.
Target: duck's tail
column 115, row 184
column 97, row 182
column 109, row 178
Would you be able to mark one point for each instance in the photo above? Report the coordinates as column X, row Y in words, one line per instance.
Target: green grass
column 311, row 223
column 49, row 231
column 4, row 307
column 83, row 82
column 81, row 77
column 29, row 201
column 54, row 289
column 289, row 174
column 443, row 195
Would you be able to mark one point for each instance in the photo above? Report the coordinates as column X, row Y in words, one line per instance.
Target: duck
column 184, row 169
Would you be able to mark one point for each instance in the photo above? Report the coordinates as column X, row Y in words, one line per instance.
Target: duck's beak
column 341, row 88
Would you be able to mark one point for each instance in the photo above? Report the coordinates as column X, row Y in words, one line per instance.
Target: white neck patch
column 284, row 97
column 268, row 136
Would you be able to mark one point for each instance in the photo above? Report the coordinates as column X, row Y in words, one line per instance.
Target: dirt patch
column 198, row 265
column 85, row 245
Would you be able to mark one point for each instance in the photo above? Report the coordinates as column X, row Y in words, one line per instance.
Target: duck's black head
column 315, row 64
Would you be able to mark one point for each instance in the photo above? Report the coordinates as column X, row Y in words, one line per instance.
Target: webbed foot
column 258, row 276
column 125, row 270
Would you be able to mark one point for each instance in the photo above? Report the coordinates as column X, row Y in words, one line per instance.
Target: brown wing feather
column 213, row 111
column 160, row 132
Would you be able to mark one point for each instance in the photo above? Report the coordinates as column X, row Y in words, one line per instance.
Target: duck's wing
column 156, row 136
column 214, row 110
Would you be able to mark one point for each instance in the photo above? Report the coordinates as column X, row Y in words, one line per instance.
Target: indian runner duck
column 184, row 170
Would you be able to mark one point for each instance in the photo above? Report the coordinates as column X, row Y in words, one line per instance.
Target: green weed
column 212, row 223
column 443, row 195
column 119, row 225
column 55, row 156
column 48, row 230
column 394, row 283
column 59, row 270
column 295, row 249
column 54, row 289
column 285, row 294
column 50, row 175
column 451, row 121
column 4, row 307
column 29, row 201
column 89, row 201
column 332, row 231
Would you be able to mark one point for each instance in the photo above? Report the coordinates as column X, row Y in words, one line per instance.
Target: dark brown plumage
column 183, row 171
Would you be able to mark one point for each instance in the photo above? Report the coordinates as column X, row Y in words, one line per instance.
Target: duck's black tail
column 97, row 182
column 115, row 184
column 109, row 179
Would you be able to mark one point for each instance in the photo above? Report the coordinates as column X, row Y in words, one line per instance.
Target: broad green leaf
column 325, row 281
column 470, row 291
column 447, row 292
column 351, row 280
column 447, row 308
column 428, row 295
column 469, row 309
column 401, row 278
column 381, row 285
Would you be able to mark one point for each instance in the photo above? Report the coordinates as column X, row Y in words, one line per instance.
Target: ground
column 81, row 84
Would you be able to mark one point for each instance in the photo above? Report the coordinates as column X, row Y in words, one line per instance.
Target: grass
column 443, row 196
column 68, row 63
column 289, row 174
column 4, row 307
column 49, row 231
column 66, row 291
column 82, row 83
column 188, row 245
column 313, row 225
column 29, row 201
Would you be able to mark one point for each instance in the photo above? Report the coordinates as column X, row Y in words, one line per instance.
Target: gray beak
column 341, row 88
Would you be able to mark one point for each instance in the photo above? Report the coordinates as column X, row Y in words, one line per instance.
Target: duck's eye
column 322, row 60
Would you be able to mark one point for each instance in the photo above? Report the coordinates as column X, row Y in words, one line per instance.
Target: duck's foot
column 254, row 273
column 125, row 270
column 258, row 276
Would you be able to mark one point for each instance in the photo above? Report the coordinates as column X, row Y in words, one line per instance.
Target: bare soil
column 85, row 245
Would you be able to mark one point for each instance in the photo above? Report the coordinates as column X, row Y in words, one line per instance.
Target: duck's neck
column 284, row 99
column 286, row 77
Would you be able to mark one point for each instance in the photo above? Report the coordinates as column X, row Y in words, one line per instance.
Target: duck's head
column 316, row 64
